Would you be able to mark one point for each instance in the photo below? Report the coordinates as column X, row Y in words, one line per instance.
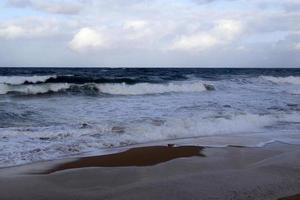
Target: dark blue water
column 138, row 75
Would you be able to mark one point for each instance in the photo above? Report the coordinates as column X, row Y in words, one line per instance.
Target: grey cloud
column 35, row 28
column 209, row 1
column 52, row 6
column 19, row 3
column 292, row 6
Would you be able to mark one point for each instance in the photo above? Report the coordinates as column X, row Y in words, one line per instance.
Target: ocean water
column 50, row 113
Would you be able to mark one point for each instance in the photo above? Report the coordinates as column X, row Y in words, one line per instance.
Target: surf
column 19, row 80
column 283, row 80
column 111, row 89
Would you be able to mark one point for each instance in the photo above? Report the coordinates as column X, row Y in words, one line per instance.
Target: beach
column 129, row 133
column 149, row 100
column 162, row 172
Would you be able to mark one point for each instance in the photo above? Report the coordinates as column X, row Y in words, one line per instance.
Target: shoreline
column 162, row 172
column 218, row 141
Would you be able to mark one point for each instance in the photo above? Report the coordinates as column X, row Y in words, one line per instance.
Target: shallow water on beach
column 56, row 113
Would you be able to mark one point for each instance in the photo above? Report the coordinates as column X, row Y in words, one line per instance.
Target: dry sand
column 162, row 172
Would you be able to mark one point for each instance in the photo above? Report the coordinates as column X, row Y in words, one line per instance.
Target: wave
column 113, row 89
column 147, row 88
column 33, row 89
column 89, row 79
column 197, row 126
column 75, row 79
column 295, row 92
column 36, row 143
column 280, row 80
column 19, row 80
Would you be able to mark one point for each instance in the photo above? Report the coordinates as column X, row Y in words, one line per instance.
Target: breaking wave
column 90, row 79
column 74, row 79
column 113, row 88
column 19, row 80
column 280, row 80
column 147, row 88
column 44, row 143
column 33, row 89
column 197, row 126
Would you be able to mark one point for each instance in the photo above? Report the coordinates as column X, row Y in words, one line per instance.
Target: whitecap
column 281, row 80
column 148, row 88
column 19, row 80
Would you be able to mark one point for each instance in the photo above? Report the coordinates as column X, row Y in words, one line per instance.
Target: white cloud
column 86, row 39
column 11, row 32
column 297, row 46
column 134, row 30
column 142, row 33
column 228, row 29
column 28, row 28
column 135, row 25
column 198, row 41
column 223, row 32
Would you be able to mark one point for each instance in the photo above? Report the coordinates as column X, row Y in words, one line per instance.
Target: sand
column 294, row 197
column 142, row 156
column 162, row 172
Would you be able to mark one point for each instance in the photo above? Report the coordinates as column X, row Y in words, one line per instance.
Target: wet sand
column 142, row 156
column 162, row 172
column 295, row 197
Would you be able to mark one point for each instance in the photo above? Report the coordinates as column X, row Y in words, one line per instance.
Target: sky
column 150, row 33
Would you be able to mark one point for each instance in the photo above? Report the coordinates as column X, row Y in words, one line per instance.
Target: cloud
column 199, row 41
column 143, row 33
column 135, row 25
column 52, row 6
column 297, row 46
column 33, row 28
column 140, row 32
column 19, row 3
column 11, row 32
column 287, row 5
column 291, row 41
column 134, row 30
column 208, row 1
column 87, row 39
column 228, row 29
column 223, row 32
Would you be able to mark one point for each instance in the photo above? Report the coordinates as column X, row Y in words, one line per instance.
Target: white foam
column 294, row 92
column 24, row 145
column 18, row 80
column 280, row 80
column 147, row 88
column 33, row 89
column 197, row 126
column 291, row 117
column 111, row 88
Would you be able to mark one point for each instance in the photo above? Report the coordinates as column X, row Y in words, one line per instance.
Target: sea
column 55, row 113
